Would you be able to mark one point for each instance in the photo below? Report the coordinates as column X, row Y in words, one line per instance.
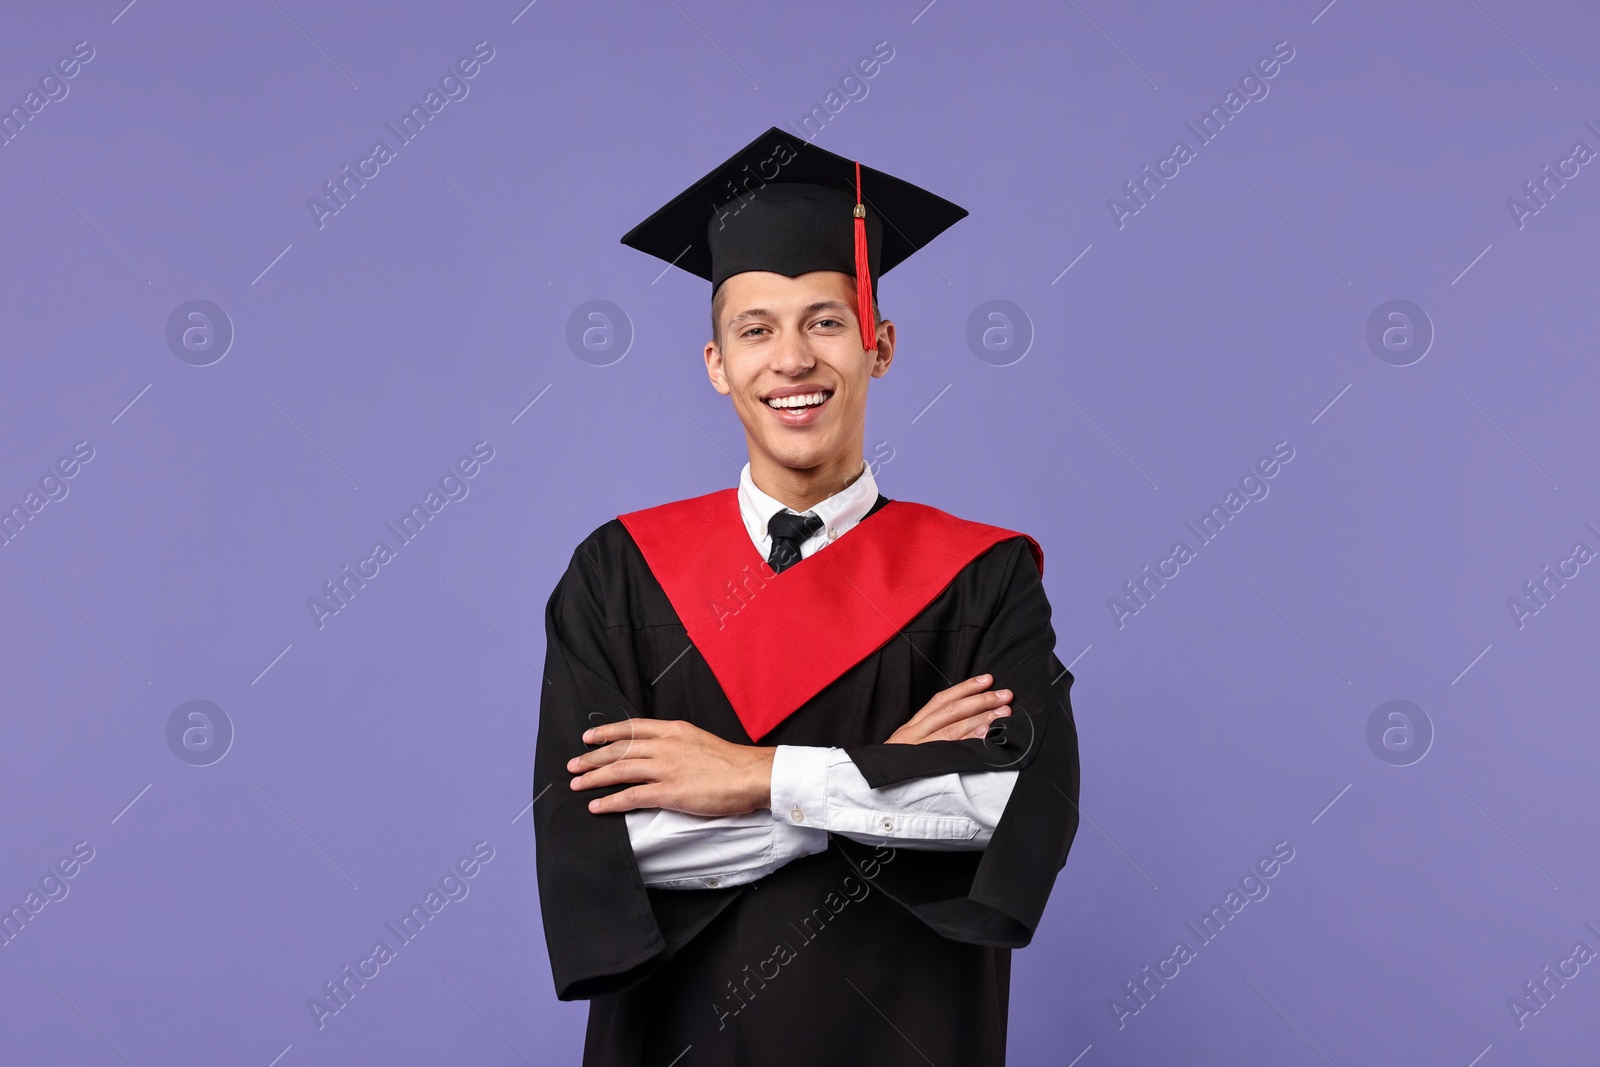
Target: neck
column 802, row 489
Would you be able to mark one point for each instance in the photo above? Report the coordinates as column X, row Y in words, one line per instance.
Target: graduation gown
column 858, row 954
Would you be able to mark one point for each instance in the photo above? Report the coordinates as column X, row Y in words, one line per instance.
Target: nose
column 791, row 355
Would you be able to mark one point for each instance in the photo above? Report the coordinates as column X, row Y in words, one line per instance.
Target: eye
column 829, row 322
column 751, row 331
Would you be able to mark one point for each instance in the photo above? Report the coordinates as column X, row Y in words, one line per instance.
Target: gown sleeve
column 995, row 897
column 604, row 930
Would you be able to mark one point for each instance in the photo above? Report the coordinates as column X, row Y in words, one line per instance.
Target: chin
column 803, row 458
column 800, row 461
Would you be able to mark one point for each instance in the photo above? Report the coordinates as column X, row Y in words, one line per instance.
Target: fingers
column 942, row 698
column 981, row 731
column 629, row 728
column 627, row 748
column 627, row 770
column 620, row 739
column 974, row 684
column 626, row 800
column 974, row 726
column 964, row 708
column 945, row 717
column 962, row 689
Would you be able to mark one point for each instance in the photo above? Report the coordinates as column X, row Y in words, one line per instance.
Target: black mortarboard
column 782, row 204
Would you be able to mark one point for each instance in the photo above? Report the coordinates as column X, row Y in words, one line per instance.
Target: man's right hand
column 965, row 710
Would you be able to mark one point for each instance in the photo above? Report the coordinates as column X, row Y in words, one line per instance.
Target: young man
column 806, row 765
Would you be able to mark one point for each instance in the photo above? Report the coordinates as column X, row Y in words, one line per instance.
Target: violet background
column 1229, row 314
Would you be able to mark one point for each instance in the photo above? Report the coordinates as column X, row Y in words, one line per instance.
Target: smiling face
column 790, row 356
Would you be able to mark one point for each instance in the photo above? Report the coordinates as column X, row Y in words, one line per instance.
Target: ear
column 714, row 370
column 885, row 355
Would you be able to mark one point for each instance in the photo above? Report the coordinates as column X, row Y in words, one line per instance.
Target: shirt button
column 797, row 815
column 832, row 533
column 888, row 824
column 712, row 882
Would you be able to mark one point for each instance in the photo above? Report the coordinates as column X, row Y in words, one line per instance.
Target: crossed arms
column 705, row 812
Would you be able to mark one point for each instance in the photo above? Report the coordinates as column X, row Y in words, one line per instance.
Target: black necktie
column 788, row 531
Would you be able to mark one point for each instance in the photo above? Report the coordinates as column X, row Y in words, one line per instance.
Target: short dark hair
column 716, row 315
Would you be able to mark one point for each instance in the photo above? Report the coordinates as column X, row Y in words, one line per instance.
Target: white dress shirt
column 815, row 790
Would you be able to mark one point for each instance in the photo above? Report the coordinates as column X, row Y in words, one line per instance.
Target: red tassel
column 869, row 329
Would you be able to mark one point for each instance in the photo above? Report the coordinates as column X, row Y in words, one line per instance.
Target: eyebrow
column 810, row 309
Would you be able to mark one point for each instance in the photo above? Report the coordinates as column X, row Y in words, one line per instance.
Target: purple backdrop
column 239, row 342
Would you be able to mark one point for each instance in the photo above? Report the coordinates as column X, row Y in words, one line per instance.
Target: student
column 806, row 765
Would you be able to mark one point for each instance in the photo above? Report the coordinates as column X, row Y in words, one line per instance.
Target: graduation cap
column 781, row 204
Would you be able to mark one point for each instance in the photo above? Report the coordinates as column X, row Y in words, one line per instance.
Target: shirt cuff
column 822, row 788
column 800, row 785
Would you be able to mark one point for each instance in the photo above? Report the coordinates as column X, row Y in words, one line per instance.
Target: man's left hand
column 673, row 765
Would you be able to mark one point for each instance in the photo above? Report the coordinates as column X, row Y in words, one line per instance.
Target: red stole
column 759, row 632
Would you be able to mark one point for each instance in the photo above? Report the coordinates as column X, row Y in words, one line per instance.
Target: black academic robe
column 859, row 954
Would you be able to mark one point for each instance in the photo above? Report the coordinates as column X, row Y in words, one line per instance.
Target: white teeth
column 801, row 400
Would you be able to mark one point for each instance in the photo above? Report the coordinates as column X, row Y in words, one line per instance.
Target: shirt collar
column 839, row 512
